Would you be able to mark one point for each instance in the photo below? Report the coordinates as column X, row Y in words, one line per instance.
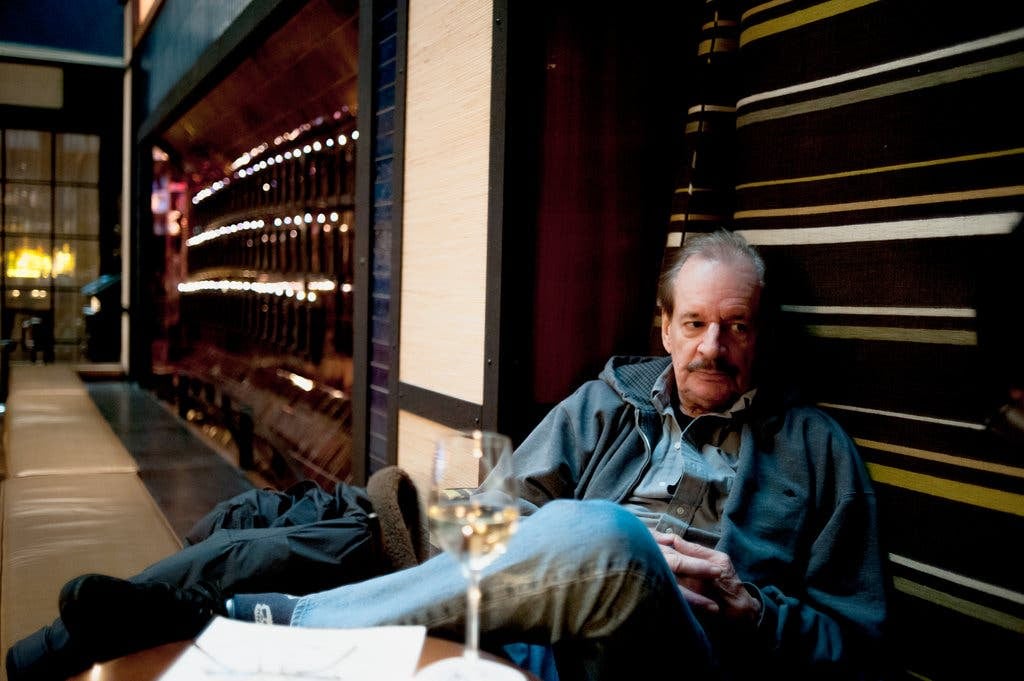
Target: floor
column 184, row 472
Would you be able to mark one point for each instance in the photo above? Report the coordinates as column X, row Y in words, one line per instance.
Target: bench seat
column 71, row 500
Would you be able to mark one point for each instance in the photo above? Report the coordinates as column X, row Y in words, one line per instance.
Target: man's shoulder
column 812, row 424
column 632, row 376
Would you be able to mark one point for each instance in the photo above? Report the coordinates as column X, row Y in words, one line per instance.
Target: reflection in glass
column 69, row 324
column 27, row 208
column 78, row 158
column 78, row 211
column 28, row 155
column 28, row 297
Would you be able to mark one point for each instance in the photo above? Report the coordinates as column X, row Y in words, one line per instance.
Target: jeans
column 584, row 577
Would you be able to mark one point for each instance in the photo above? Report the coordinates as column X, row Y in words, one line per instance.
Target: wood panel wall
column 445, row 210
column 444, row 233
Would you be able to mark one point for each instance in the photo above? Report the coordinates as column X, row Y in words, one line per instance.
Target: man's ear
column 666, row 321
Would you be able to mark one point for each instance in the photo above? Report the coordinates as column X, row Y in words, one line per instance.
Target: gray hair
column 718, row 246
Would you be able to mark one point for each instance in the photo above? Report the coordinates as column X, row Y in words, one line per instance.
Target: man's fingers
column 682, row 564
column 683, row 546
column 698, row 601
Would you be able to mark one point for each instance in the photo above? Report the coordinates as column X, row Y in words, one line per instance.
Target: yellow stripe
column 916, row 61
column 803, row 17
column 937, row 457
column 883, row 333
column 886, row 169
column 762, row 7
column 962, row 492
column 991, row 193
column 717, row 23
column 716, row 45
column 694, row 217
column 960, row 605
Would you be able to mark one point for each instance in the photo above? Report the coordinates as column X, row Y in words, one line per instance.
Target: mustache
column 719, row 365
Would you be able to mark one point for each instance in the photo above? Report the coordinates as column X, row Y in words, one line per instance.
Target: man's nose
column 710, row 342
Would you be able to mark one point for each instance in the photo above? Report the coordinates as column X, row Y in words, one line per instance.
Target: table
column 147, row 665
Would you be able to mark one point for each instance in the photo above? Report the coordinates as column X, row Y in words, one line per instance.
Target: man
column 678, row 519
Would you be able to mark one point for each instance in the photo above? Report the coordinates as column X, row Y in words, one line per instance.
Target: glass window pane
column 76, row 262
column 27, row 208
column 78, row 158
column 27, row 298
column 78, row 211
column 28, row 261
column 69, row 320
column 28, row 155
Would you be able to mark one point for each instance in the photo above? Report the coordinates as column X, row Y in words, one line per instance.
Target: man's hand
column 708, row 580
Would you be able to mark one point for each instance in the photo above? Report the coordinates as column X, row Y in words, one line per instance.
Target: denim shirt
column 692, row 468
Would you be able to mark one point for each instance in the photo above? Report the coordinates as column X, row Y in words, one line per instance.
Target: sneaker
column 47, row 655
column 112, row 617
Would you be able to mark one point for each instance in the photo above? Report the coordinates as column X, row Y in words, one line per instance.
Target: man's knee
column 601, row 524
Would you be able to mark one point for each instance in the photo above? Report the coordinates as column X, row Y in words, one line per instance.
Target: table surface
column 147, row 665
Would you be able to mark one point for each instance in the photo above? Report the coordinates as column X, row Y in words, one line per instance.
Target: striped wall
column 874, row 151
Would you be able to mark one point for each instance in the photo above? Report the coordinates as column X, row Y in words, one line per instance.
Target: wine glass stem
column 472, row 651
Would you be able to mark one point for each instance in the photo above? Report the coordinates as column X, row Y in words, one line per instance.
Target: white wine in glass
column 474, row 530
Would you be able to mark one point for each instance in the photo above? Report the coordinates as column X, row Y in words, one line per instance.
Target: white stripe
column 717, row 108
column 963, row 312
column 675, row 240
column 19, row 51
column 930, row 228
column 910, row 417
column 998, row 39
column 958, row 579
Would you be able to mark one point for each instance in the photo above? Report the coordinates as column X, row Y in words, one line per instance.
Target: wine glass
column 475, row 531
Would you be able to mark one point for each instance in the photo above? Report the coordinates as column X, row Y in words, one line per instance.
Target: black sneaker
column 47, row 655
column 112, row 617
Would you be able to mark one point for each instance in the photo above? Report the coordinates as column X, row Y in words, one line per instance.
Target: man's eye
column 693, row 324
column 740, row 328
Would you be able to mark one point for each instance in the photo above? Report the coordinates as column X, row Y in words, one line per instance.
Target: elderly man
column 679, row 518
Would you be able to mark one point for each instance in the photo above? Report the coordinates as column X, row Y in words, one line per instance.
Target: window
column 50, row 238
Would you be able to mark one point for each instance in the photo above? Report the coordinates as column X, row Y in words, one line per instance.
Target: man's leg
column 297, row 559
column 586, row 575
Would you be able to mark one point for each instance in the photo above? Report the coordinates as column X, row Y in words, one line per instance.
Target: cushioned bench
column 71, row 499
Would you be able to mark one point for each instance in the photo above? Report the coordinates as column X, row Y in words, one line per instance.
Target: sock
column 271, row 608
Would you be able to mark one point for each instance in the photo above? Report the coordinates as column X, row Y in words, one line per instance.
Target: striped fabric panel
column 878, row 161
column 705, row 190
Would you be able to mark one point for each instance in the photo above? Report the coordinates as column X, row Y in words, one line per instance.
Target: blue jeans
column 584, row 577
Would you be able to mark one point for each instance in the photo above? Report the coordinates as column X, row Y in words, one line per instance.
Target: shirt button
column 679, row 445
column 681, row 510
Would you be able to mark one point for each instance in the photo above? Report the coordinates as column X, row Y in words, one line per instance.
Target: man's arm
column 551, row 460
column 825, row 611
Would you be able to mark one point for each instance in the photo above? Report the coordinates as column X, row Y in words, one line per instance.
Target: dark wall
column 181, row 32
column 89, row 26
column 594, row 138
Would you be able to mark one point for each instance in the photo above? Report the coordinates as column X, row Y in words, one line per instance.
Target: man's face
column 711, row 335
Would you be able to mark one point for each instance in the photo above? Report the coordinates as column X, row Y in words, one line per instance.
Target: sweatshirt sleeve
column 832, row 623
column 549, row 462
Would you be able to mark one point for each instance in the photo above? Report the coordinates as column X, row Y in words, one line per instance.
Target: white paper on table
column 245, row 651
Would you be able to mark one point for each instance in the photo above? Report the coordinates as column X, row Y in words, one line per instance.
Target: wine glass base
column 465, row 669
